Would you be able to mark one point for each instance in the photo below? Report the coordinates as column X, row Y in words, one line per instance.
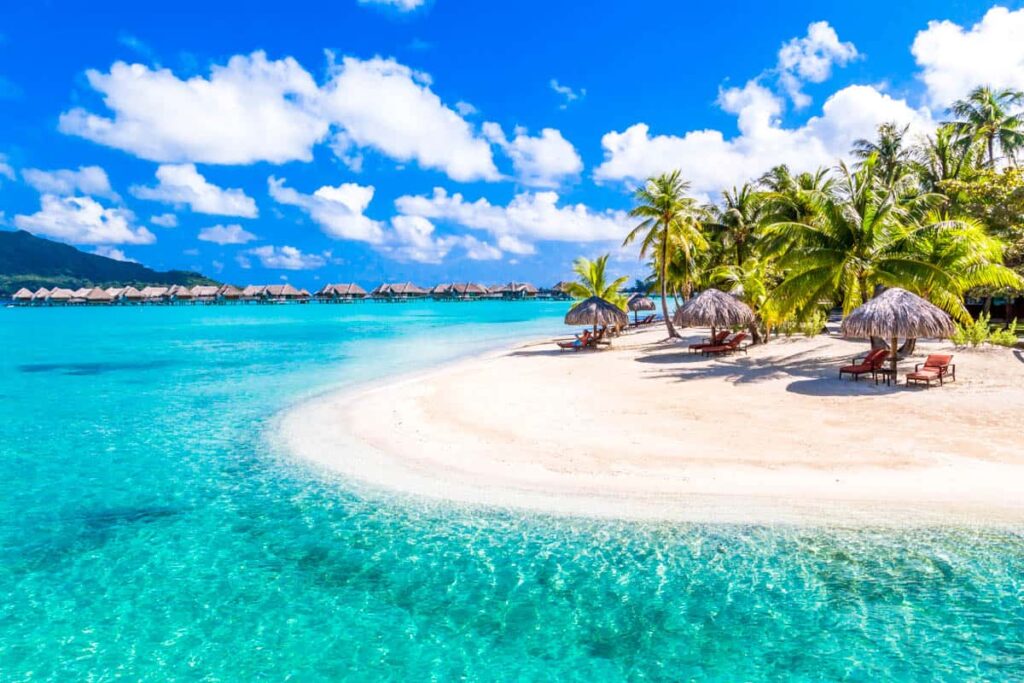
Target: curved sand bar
column 645, row 431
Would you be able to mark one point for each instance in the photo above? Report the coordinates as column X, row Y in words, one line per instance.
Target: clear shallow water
column 148, row 531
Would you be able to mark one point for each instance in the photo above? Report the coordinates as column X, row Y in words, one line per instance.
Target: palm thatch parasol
column 897, row 313
column 640, row 302
column 596, row 311
column 713, row 308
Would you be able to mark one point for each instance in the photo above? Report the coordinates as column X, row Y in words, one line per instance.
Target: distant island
column 33, row 262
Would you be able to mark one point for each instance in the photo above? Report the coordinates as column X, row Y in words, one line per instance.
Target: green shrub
column 980, row 332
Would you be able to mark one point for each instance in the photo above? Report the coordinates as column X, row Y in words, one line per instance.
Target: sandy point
column 645, row 430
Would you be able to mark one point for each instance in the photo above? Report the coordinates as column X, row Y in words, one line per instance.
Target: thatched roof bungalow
column 205, row 293
column 22, row 296
column 80, row 293
column 98, row 296
column 59, row 295
column 154, row 294
column 284, row 292
column 515, row 290
column 229, row 293
column 116, row 293
column 180, row 293
column 341, row 292
column 132, row 295
column 252, row 293
column 398, row 291
column 41, row 295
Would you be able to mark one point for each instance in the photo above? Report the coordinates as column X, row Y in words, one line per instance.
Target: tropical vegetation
column 941, row 215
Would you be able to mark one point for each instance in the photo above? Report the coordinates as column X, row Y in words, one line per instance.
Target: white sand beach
column 643, row 430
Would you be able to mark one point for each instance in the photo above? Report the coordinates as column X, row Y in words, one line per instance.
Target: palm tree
column 593, row 281
column 669, row 223
column 984, row 115
column 893, row 156
column 940, row 158
column 865, row 235
column 738, row 220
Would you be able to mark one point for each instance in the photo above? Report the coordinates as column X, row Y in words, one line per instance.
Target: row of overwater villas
column 179, row 294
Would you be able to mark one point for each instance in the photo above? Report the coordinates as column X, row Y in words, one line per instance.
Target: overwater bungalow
column 41, row 295
column 116, row 293
column 130, row 295
column 154, row 295
column 81, row 293
column 22, row 296
column 204, row 293
column 59, row 295
column 335, row 293
column 466, row 291
column 398, row 292
column 252, row 293
column 442, row 291
column 97, row 296
column 558, row 292
column 229, row 293
column 180, row 294
column 515, row 290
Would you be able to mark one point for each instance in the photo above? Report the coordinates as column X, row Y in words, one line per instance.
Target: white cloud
column 543, row 161
column 412, row 238
column 528, row 218
column 253, row 109
column 810, row 59
column 465, row 108
column 5, row 169
column 400, row 5
column 567, row 93
column 288, row 258
column 114, row 253
column 250, row 110
column 164, row 220
column 712, row 162
column 387, row 106
column 183, row 184
column 955, row 60
column 90, row 180
column 337, row 210
column 226, row 234
column 83, row 220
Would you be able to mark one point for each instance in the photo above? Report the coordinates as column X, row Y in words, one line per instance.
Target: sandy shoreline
column 646, row 431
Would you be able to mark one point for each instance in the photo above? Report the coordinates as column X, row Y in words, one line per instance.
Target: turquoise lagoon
column 149, row 531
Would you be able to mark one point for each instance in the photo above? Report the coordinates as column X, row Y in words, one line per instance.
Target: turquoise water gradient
column 148, row 531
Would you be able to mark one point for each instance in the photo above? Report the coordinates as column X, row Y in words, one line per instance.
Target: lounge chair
column 937, row 367
column 730, row 346
column 864, row 365
column 717, row 340
column 580, row 342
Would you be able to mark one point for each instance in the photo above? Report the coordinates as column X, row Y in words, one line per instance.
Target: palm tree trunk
column 664, row 287
column 991, row 152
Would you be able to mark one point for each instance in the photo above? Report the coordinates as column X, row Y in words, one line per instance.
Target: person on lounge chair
column 581, row 341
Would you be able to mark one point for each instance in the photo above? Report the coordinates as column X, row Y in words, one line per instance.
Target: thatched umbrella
column 640, row 302
column 897, row 313
column 596, row 311
column 713, row 308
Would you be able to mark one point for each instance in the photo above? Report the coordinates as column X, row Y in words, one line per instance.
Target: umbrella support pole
column 892, row 365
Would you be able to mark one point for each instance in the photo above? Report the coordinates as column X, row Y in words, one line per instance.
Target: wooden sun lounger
column 937, row 367
column 717, row 340
column 731, row 346
column 868, row 364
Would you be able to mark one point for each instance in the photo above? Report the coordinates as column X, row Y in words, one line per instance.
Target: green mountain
column 33, row 262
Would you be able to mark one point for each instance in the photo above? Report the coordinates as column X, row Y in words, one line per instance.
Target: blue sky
column 438, row 140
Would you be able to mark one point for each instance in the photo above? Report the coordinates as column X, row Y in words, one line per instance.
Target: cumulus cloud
column 387, row 106
column 90, row 180
column 413, row 238
column 226, row 234
column 114, row 253
column 251, row 109
column 337, row 210
column 568, row 94
column 530, row 217
column 954, row 60
column 254, row 109
column 711, row 161
column 164, row 220
column 543, row 161
column 400, row 5
column 6, row 171
column 287, row 258
column 184, row 185
column 83, row 220
column 810, row 59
